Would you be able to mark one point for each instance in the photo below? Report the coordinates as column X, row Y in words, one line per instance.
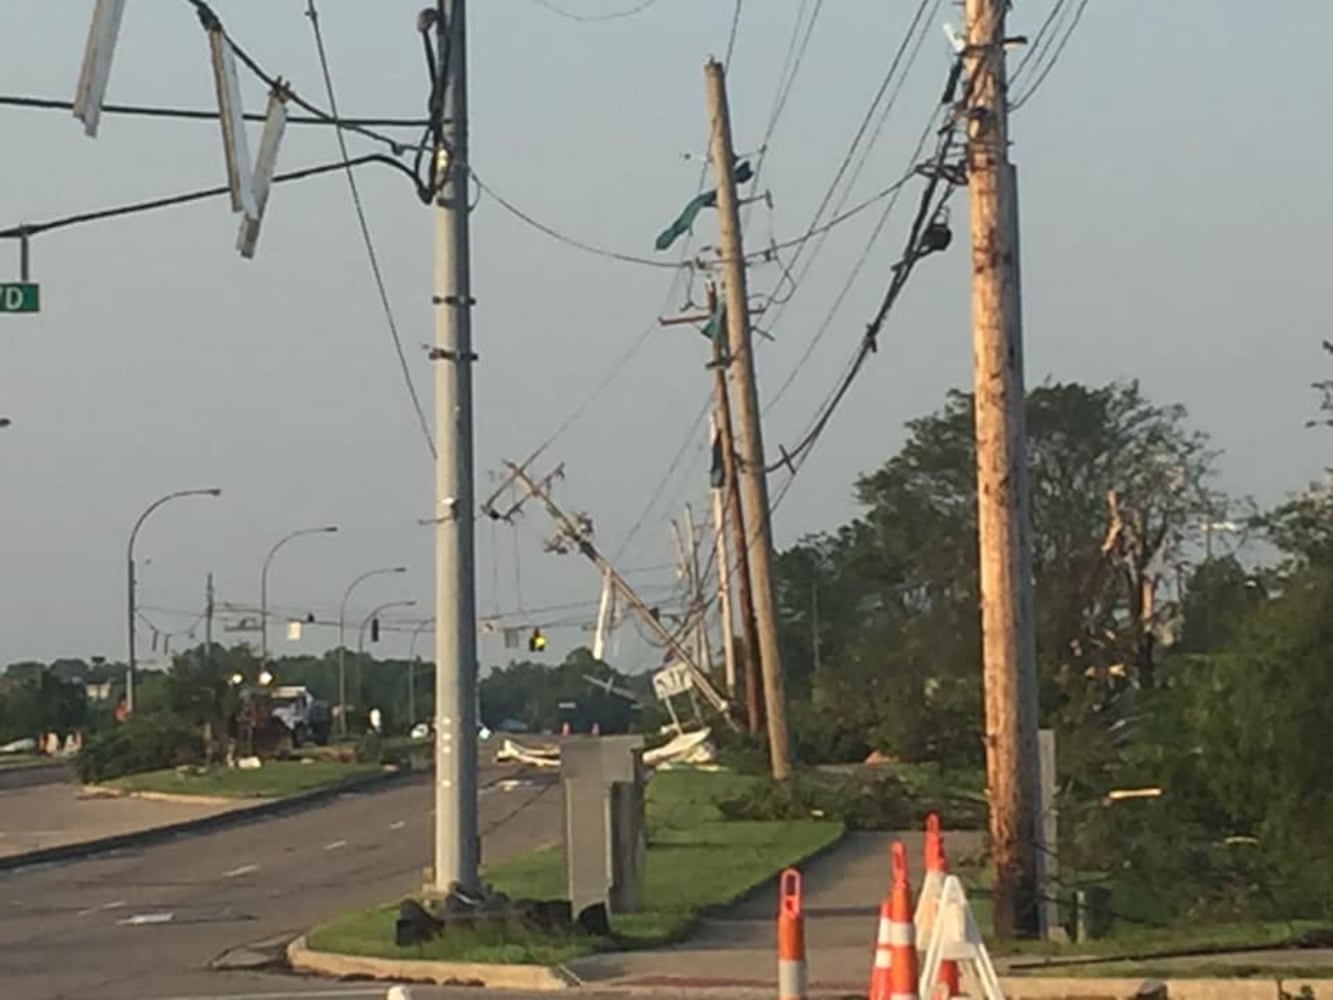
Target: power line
column 703, row 413
column 200, row 114
column 1055, row 58
column 211, row 22
column 1035, row 44
column 735, row 30
column 560, row 237
column 680, row 268
column 312, row 12
column 170, row 201
column 791, row 66
column 920, row 243
column 916, row 30
column 617, row 15
column 852, row 275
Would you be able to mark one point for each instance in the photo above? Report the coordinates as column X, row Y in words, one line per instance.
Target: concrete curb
column 104, row 792
column 537, row 978
column 202, row 824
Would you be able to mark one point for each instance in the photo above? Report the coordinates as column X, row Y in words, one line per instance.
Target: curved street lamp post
column 342, row 641
column 412, row 660
column 361, row 632
column 129, row 563
column 263, row 583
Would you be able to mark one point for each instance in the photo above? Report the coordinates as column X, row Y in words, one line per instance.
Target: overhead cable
column 312, row 12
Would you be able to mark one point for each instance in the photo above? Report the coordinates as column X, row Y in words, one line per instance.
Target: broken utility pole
column 576, row 534
column 754, row 486
column 1008, row 642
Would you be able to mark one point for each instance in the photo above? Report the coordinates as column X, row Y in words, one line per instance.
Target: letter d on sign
column 13, row 298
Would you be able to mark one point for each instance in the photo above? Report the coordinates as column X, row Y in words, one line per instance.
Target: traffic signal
column 537, row 643
column 374, row 630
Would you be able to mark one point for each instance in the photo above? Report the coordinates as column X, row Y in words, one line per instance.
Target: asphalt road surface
column 157, row 922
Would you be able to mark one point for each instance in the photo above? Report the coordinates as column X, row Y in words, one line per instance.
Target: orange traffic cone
column 880, row 986
column 902, row 933
column 791, row 938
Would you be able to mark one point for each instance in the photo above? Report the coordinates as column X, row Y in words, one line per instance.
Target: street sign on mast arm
column 20, row 297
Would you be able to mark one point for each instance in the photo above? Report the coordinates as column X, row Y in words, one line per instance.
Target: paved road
column 141, row 924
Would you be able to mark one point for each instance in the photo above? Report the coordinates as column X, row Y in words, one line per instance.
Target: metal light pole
column 263, row 583
column 412, row 660
column 342, row 641
column 129, row 565
column 361, row 632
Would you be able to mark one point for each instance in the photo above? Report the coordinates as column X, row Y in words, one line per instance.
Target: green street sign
column 20, row 297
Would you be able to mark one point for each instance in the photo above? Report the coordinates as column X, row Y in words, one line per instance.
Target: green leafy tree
column 1118, row 484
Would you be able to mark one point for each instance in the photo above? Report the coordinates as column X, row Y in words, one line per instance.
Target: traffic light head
column 537, row 642
column 374, row 630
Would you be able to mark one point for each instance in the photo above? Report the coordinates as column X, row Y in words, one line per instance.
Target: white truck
column 307, row 718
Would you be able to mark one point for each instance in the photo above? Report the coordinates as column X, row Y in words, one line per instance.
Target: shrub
column 370, row 749
column 142, row 743
column 860, row 801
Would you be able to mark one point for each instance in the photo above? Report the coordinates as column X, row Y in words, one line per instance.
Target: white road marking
column 243, row 870
column 335, row 845
column 399, row 825
column 105, row 906
column 140, row 919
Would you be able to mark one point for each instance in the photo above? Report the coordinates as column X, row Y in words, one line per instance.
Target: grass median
column 275, row 780
column 696, row 862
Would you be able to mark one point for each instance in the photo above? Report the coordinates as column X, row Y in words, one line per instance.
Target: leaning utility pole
column 754, row 487
column 1008, row 641
column 734, row 516
column 574, row 535
column 457, row 845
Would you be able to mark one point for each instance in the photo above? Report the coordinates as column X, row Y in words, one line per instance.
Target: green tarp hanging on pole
column 697, row 204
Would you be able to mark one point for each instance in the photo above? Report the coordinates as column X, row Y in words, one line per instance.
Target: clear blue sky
column 1173, row 203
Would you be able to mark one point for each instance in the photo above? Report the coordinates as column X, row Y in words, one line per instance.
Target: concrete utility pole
column 754, row 487
column 457, row 845
column 1008, row 639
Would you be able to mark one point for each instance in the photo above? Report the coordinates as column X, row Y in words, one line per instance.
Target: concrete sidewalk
column 55, row 815
column 842, row 890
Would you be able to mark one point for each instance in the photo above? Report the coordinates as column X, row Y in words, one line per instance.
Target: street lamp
column 263, row 583
column 412, row 660
column 361, row 632
column 129, row 563
column 342, row 641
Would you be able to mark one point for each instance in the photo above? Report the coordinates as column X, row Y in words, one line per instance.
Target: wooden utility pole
column 734, row 517
column 1008, row 640
column 754, row 487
